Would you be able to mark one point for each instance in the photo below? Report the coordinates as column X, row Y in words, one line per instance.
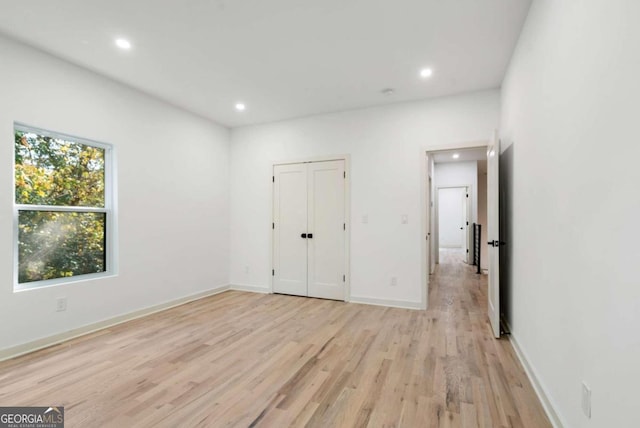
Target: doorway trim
column 424, row 181
column 347, row 214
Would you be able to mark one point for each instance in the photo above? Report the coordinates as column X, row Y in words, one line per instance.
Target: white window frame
column 108, row 210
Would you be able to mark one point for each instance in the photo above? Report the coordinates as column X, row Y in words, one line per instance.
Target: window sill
column 48, row 283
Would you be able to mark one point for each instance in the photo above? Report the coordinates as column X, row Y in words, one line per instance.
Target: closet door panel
column 326, row 219
column 290, row 222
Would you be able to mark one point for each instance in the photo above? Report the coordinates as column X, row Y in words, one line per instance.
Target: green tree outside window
column 60, row 199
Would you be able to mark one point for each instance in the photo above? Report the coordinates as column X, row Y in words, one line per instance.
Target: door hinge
column 344, row 174
column 273, row 272
column 344, row 226
column 467, row 195
column 273, row 225
column 344, row 278
column 273, row 178
column 467, row 223
column 467, row 250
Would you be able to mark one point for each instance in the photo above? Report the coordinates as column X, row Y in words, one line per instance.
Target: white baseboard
column 404, row 304
column 354, row 299
column 537, row 386
column 45, row 342
column 250, row 288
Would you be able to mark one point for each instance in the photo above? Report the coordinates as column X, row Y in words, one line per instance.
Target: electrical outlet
column 61, row 304
column 586, row 400
column 394, row 281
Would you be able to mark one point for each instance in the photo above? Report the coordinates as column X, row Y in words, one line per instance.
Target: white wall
column 386, row 159
column 172, row 186
column 570, row 112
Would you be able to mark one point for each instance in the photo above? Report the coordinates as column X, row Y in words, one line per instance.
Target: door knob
column 304, row 235
column 309, row 235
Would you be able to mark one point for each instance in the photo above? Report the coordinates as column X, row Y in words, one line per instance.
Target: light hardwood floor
column 242, row 359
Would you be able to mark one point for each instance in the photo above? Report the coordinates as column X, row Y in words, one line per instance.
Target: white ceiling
column 283, row 58
column 464, row 155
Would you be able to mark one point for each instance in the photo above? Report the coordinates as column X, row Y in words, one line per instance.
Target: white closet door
column 290, row 222
column 326, row 219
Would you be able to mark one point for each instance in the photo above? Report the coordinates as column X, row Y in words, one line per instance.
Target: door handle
column 304, row 235
column 309, row 235
column 496, row 243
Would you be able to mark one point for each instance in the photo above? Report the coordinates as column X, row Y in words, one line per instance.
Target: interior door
column 290, row 223
column 432, row 228
column 466, row 214
column 452, row 216
column 493, row 232
column 326, row 231
column 428, row 225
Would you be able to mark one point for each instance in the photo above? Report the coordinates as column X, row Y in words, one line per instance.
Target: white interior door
column 290, row 222
column 309, row 236
column 432, row 228
column 466, row 214
column 428, row 224
column 493, row 232
column 452, row 207
column 326, row 220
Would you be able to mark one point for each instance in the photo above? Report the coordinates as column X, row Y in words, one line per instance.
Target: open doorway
column 459, row 198
column 464, row 168
column 460, row 186
column 449, row 173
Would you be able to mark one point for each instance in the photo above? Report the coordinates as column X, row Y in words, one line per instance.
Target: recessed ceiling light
column 123, row 44
column 426, row 72
column 241, row 107
column 456, row 156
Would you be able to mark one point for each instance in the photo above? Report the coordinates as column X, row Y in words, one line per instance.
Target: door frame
column 347, row 214
column 424, row 181
column 467, row 238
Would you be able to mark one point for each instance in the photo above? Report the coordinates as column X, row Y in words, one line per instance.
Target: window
column 62, row 209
